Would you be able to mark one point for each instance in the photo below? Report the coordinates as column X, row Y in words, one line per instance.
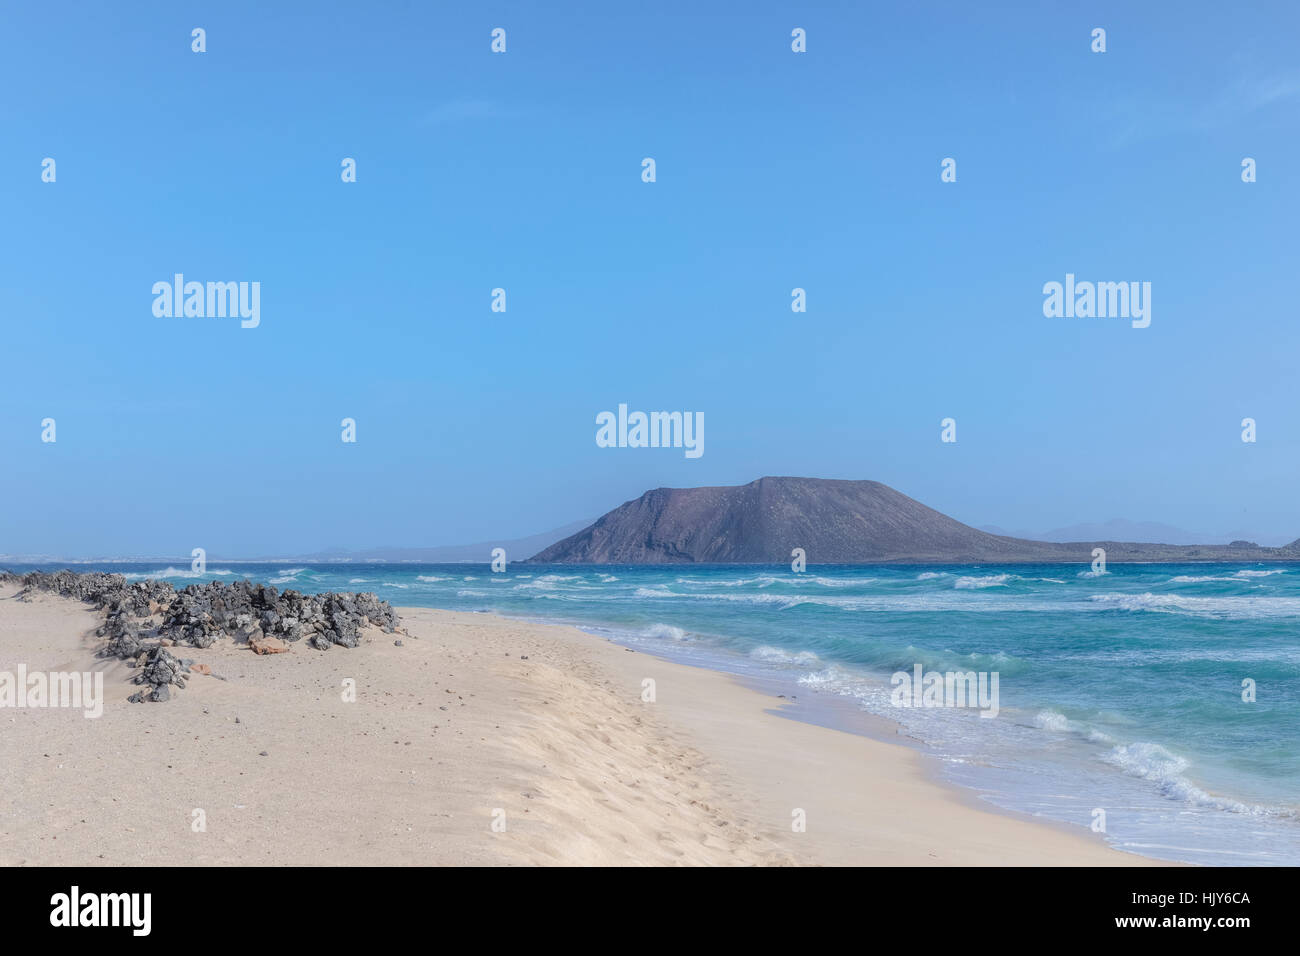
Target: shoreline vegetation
column 448, row 738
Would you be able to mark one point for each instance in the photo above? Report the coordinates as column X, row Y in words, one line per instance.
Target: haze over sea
column 1119, row 691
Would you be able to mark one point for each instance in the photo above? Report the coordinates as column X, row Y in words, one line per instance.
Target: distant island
column 835, row 522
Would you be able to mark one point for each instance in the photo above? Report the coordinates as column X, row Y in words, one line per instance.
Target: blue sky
column 522, row 170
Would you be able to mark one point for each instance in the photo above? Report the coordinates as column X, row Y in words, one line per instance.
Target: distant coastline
column 834, row 522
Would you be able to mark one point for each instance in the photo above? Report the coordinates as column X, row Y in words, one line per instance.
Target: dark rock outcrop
column 160, row 672
column 201, row 614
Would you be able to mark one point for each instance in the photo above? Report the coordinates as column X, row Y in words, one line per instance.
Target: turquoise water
column 1120, row 691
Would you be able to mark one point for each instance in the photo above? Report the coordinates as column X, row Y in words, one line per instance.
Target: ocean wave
column 1243, row 575
column 779, row 601
column 544, row 588
column 665, row 631
column 872, row 695
column 170, row 572
column 1241, row 608
column 833, row 676
column 947, row 660
column 924, row 603
column 287, row 576
column 538, row 585
column 430, row 578
column 1220, row 654
column 969, row 583
column 976, row 582
column 776, row 655
column 1162, row 767
column 762, row 581
column 932, row 575
column 1092, row 574
column 1052, row 720
column 767, row 580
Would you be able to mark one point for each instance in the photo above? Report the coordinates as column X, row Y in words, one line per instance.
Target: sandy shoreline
column 473, row 719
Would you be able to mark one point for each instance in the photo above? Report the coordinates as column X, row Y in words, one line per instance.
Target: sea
column 1158, row 704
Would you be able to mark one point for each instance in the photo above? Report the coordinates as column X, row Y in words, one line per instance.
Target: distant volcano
column 834, row 522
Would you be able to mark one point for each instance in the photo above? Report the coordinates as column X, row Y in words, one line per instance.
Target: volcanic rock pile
column 199, row 614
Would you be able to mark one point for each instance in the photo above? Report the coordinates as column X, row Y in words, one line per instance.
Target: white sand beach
column 474, row 718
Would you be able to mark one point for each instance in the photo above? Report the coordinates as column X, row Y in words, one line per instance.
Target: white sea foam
column 287, row 576
column 1231, row 607
column 832, row 677
column 977, row 582
column 170, row 572
column 762, row 581
column 1052, row 720
column 1164, row 768
column 665, row 631
column 552, row 587
column 776, row 655
column 925, row 602
column 1244, row 575
column 779, row 601
column 989, row 581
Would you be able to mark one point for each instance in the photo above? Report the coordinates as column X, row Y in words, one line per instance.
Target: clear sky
column 522, row 171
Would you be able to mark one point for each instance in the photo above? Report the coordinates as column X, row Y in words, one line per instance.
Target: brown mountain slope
column 835, row 522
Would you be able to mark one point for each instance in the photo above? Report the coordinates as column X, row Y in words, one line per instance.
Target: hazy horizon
column 1113, row 529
